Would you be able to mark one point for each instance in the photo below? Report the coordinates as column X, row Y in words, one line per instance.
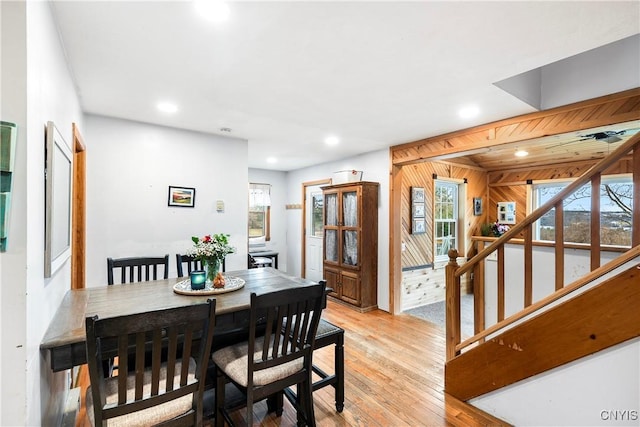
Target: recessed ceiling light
column 213, row 10
column 469, row 112
column 332, row 140
column 167, row 107
column 521, row 153
column 272, row 160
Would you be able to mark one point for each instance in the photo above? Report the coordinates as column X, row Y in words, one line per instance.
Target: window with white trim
column 616, row 207
column 259, row 210
column 445, row 218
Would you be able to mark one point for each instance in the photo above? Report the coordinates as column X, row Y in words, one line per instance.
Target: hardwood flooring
column 394, row 376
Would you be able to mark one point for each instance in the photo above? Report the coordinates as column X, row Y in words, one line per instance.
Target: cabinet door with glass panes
column 341, row 227
column 350, row 242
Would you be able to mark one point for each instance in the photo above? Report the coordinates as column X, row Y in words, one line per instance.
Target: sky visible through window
column 581, row 200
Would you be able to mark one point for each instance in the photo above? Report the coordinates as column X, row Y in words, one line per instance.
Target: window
column 316, row 214
column 616, row 207
column 259, row 210
column 445, row 218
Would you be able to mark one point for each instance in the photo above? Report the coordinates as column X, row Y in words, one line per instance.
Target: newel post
column 453, row 304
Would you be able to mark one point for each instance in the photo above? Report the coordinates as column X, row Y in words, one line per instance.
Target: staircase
column 595, row 312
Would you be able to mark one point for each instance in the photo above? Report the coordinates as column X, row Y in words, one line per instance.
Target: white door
column 314, row 233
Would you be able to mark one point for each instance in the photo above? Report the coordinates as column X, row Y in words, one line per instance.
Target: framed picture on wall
column 182, row 196
column 418, row 224
column 417, row 195
column 58, row 176
column 418, row 210
column 477, row 206
column 507, row 212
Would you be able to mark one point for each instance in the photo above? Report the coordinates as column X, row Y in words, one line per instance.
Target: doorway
column 312, row 233
column 78, row 211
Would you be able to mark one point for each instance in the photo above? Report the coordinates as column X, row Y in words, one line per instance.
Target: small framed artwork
column 507, row 212
column 477, row 206
column 418, row 210
column 182, row 196
column 417, row 195
column 418, row 226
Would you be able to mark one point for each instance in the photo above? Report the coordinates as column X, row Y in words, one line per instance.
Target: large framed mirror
column 58, row 178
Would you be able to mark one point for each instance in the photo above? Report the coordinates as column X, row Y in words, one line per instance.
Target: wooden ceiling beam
column 606, row 110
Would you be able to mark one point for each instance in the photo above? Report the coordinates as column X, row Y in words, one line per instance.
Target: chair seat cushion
column 327, row 328
column 150, row 416
column 233, row 360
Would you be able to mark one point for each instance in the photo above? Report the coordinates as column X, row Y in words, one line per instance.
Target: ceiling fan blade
column 610, row 139
column 566, row 143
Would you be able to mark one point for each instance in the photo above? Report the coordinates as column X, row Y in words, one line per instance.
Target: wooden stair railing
column 600, row 317
column 454, row 271
column 585, row 280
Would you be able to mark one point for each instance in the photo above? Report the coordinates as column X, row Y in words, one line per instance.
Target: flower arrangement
column 211, row 247
column 211, row 250
column 499, row 229
column 494, row 229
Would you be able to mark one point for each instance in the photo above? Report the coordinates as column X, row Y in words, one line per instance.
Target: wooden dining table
column 65, row 339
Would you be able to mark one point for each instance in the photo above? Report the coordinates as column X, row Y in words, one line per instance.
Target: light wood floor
column 394, row 370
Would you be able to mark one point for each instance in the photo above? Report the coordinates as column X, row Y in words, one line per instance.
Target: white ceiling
column 285, row 75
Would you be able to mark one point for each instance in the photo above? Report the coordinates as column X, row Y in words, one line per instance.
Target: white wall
column 582, row 393
column 608, row 69
column 130, row 166
column 31, row 96
column 13, row 104
column 279, row 224
column 574, row 394
column 576, row 265
column 376, row 168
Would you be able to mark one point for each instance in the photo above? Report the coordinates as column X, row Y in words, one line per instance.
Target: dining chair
column 170, row 389
column 328, row 334
column 192, row 264
column 281, row 356
column 131, row 269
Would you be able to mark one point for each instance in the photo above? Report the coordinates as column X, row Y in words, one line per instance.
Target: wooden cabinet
column 351, row 243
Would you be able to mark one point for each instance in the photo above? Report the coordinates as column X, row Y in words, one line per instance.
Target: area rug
column 435, row 313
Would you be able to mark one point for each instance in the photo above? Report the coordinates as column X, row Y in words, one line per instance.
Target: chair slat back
column 191, row 262
column 292, row 317
column 180, row 336
column 132, row 269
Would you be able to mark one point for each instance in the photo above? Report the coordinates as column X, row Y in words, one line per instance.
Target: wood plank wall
column 566, row 170
column 427, row 285
column 419, row 247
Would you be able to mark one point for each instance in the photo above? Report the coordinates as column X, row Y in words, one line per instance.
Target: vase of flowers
column 211, row 250
column 494, row 229
column 499, row 229
column 211, row 266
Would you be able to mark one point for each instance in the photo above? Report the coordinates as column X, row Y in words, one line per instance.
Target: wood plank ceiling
column 555, row 149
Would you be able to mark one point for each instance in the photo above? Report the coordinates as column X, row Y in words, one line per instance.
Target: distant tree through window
column 616, row 207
